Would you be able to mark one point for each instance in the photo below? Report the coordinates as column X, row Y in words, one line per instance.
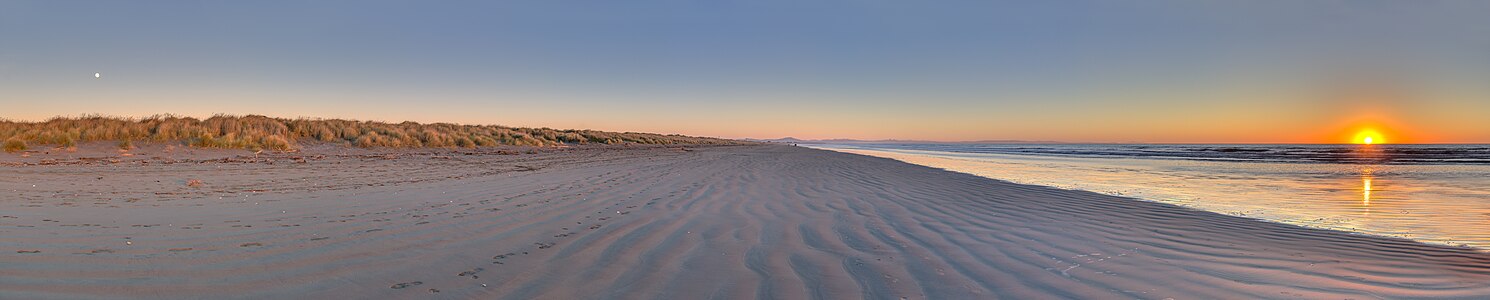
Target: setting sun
column 1368, row 137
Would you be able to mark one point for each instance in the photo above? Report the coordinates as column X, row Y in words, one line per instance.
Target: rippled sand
column 723, row 222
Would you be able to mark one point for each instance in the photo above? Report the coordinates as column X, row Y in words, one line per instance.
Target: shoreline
column 969, row 165
column 729, row 221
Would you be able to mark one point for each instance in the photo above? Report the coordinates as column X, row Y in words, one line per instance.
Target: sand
column 735, row 222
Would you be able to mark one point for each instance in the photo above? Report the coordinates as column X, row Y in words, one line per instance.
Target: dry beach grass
column 260, row 132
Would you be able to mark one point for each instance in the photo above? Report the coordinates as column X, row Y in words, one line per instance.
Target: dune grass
column 260, row 132
column 14, row 144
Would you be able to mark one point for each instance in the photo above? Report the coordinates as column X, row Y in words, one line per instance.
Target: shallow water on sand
column 1436, row 203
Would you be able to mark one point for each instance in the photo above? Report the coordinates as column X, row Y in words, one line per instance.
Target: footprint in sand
column 499, row 258
column 471, row 273
column 251, row 245
column 406, row 284
column 28, row 251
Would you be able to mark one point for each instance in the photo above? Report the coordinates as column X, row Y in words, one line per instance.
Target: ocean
column 1430, row 193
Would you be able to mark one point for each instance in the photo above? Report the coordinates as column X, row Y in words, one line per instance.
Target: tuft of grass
column 261, row 132
column 276, row 143
column 465, row 142
column 14, row 144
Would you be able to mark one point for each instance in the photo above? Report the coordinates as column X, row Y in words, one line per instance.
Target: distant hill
column 792, row 140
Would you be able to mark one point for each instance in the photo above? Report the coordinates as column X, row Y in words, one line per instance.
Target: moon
column 96, row 75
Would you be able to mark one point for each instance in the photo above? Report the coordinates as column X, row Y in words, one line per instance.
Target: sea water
column 1430, row 193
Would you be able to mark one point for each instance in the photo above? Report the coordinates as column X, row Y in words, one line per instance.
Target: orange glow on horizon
column 1374, row 130
column 1368, row 137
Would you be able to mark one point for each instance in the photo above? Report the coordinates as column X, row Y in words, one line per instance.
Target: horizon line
column 1033, row 142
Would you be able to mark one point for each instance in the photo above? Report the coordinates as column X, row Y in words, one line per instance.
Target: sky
column 1074, row 71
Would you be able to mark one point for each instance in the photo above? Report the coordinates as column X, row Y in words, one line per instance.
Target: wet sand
column 772, row 222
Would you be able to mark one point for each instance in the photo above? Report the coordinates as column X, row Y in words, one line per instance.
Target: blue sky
column 1179, row 71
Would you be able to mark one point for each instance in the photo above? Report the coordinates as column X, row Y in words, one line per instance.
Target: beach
column 650, row 222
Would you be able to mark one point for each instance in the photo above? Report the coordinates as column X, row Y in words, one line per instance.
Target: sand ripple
column 764, row 222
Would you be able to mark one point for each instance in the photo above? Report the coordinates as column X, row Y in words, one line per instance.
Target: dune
column 728, row 222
